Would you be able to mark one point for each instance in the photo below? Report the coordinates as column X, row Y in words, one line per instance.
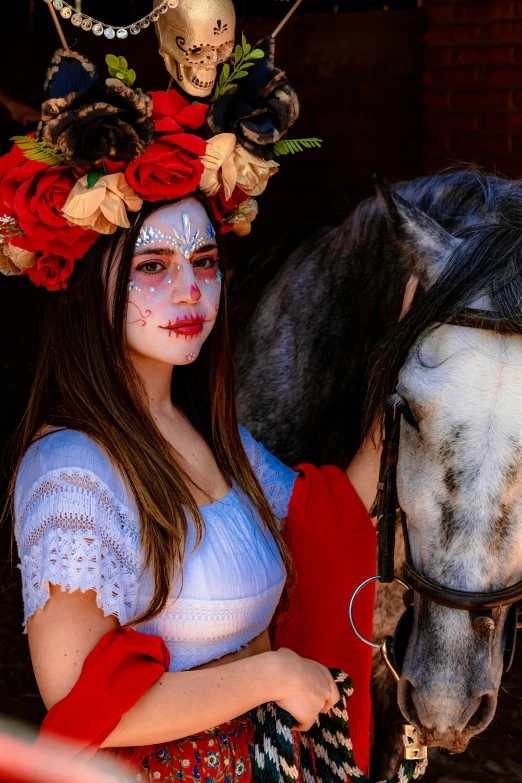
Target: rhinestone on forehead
column 187, row 242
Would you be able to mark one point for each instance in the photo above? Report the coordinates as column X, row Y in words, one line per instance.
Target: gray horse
column 308, row 321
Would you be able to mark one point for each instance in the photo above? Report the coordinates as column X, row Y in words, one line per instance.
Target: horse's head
column 459, row 475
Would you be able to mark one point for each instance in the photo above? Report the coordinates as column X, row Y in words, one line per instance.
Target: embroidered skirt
column 223, row 755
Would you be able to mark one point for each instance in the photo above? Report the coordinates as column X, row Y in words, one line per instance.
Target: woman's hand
column 308, row 688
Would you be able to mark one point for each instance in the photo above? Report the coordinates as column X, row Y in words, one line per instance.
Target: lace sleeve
column 276, row 478
column 72, row 531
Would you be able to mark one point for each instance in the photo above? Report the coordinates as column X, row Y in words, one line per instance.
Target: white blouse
column 77, row 526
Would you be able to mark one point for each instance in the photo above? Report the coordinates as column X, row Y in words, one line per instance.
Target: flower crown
column 102, row 148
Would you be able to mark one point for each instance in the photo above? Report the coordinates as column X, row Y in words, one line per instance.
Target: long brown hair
column 85, row 381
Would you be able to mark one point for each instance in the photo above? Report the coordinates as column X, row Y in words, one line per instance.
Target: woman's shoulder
column 66, row 445
column 57, row 451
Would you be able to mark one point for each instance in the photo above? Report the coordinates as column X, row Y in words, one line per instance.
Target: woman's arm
column 179, row 704
column 363, row 470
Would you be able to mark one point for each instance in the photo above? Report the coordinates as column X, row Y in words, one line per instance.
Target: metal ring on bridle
column 376, row 645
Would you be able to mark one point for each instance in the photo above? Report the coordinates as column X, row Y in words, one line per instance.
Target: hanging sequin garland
column 87, row 23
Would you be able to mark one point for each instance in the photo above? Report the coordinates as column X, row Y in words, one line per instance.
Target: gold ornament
column 195, row 38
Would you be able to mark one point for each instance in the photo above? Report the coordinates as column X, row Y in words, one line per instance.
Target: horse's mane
column 486, row 212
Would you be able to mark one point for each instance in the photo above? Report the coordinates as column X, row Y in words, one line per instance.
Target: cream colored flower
column 242, row 217
column 227, row 165
column 14, row 260
column 104, row 206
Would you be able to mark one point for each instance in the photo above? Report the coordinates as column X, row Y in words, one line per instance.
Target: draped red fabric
column 116, row 673
column 333, row 545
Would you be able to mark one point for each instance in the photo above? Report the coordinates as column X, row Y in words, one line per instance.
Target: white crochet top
column 77, row 526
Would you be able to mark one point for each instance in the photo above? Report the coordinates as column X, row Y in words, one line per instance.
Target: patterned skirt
column 223, row 755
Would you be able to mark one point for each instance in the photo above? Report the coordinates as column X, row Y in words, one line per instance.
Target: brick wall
column 473, row 84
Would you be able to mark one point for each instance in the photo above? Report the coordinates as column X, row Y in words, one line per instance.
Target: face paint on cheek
column 142, row 315
column 195, row 293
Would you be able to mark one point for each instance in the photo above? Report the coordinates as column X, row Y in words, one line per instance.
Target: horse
column 303, row 356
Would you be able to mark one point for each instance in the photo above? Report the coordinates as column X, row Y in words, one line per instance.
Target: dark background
column 407, row 87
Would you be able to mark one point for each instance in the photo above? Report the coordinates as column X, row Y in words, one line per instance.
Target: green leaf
column 112, row 61
column 291, row 146
column 131, row 77
column 240, row 74
column 256, row 54
column 225, row 72
column 120, row 75
column 34, row 149
column 123, row 63
column 246, row 46
column 93, row 177
column 238, row 54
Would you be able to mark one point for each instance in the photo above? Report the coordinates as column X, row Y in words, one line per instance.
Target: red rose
column 221, row 207
column 14, row 157
column 35, row 194
column 51, row 271
column 172, row 113
column 168, row 170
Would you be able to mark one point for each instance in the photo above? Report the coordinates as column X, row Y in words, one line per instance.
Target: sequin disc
column 66, row 13
column 134, row 29
column 87, row 24
column 109, row 33
column 122, row 33
column 97, row 29
column 172, row 3
column 154, row 16
column 76, row 20
column 164, row 9
column 144, row 23
column 58, row 4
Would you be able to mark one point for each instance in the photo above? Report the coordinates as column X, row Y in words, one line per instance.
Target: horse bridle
column 385, row 509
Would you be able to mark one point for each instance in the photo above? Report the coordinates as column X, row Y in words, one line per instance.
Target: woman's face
column 174, row 285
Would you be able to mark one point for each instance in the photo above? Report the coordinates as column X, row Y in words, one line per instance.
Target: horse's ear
column 425, row 244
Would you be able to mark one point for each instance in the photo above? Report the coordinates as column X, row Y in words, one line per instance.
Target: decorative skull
column 195, row 37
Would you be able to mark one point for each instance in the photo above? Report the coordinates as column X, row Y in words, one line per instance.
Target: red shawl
column 332, row 542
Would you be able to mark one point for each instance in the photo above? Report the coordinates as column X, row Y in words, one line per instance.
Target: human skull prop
column 195, row 38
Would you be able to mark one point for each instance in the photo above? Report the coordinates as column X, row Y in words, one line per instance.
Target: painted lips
column 188, row 326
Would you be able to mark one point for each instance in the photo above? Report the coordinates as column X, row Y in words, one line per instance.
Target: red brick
column 468, row 145
column 479, row 55
column 503, row 123
column 478, row 9
column 433, row 164
column 517, row 98
column 445, row 121
column 436, row 100
column 438, row 55
column 517, row 149
column 447, row 78
column 452, row 34
column 505, row 77
column 506, row 31
column 437, row 144
column 481, row 100
column 440, row 12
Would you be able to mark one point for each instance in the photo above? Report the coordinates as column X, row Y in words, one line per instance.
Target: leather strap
column 460, row 599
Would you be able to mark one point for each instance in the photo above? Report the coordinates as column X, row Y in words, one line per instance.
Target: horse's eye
column 405, row 411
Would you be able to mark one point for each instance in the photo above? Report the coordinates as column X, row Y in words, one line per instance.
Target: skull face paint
column 174, row 286
column 195, row 38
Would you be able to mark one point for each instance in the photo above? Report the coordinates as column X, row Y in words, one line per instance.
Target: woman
column 138, row 502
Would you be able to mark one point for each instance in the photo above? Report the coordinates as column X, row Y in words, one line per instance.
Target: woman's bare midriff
column 258, row 645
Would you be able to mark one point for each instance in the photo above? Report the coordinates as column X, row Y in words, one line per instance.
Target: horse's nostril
column 484, row 713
